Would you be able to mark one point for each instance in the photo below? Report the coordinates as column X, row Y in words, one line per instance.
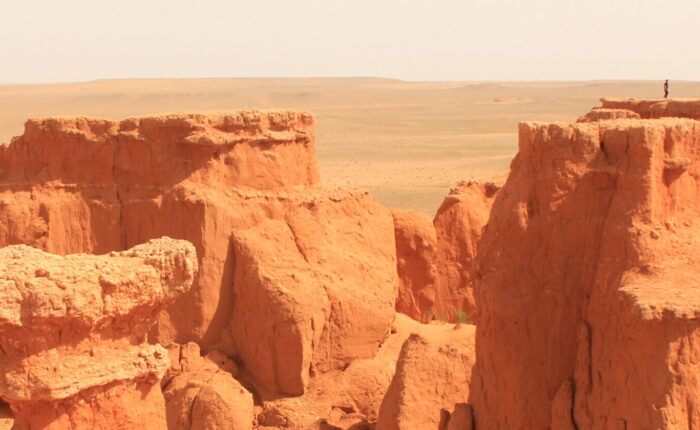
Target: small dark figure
column 666, row 89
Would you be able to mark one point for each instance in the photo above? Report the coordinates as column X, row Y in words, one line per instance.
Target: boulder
column 202, row 394
column 433, row 373
column 73, row 329
column 313, row 291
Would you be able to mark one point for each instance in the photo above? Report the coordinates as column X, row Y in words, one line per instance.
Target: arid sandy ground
column 407, row 142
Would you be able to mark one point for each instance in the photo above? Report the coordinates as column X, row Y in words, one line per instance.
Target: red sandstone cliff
column 294, row 280
column 585, row 297
column 88, row 185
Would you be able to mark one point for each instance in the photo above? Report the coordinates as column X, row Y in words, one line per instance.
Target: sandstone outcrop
column 433, row 372
column 599, row 114
column 314, row 292
column 460, row 418
column 72, row 334
column 201, row 392
column 459, row 223
column 352, row 396
column 587, row 311
column 218, row 181
column 72, row 185
column 417, row 260
column 654, row 109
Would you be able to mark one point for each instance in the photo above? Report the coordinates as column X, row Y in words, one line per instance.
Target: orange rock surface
column 433, row 372
column 89, row 185
column 586, row 280
column 459, row 223
column 109, row 185
column 679, row 108
column 72, row 334
column 599, row 114
column 294, row 280
column 417, row 264
column 313, row 290
column 201, row 392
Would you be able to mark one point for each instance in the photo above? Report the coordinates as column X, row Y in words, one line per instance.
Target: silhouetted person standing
column 666, row 89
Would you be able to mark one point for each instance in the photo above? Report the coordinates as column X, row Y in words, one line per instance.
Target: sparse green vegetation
column 462, row 317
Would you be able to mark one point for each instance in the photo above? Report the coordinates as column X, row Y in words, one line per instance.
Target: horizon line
column 39, row 83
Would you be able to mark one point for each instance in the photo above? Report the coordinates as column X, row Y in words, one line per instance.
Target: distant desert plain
column 407, row 143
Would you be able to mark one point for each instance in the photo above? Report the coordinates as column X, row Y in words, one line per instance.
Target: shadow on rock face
column 6, row 418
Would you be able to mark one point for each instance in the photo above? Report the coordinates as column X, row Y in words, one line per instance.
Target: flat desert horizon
column 407, row 143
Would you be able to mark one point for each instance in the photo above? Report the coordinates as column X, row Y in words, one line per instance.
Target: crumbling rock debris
column 72, row 333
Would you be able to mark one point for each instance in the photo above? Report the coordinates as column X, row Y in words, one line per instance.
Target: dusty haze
column 407, row 142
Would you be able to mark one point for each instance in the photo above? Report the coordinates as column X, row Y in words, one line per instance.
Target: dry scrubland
column 407, row 142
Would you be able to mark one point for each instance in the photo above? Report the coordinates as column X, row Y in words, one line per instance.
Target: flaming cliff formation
column 294, row 306
column 586, row 269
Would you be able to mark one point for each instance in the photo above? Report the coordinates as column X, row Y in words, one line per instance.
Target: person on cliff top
column 666, row 89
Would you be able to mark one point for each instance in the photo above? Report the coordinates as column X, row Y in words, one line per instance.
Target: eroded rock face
column 433, row 372
column 459, row 223
column 314, row 290
column 581, row 281
column 585, row 283
column 319, row 292
column 600, row 114
column 648, row 109
column 201, row 392
column 417, row 264
column 72, row 334
column 72, row 185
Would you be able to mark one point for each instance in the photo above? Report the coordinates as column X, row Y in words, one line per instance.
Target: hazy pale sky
column 77, row 40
